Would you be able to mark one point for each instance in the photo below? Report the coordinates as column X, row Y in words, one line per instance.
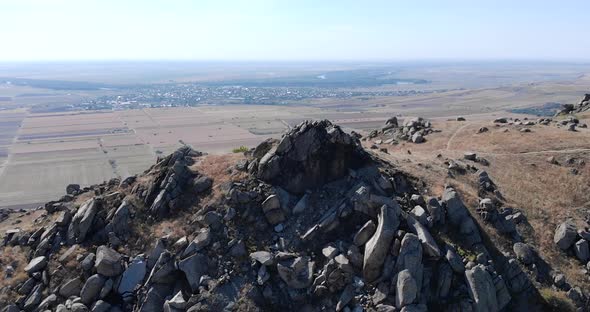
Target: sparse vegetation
column 241, row 149
column 557, row 300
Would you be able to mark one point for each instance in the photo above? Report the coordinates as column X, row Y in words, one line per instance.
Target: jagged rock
column 82, row 221
column 436, row 211
column 163, row 270
column 410, row 257
column 377, row 247
column 37, row 264
column 581, row 250
column 263, row 257
column 481, row 289
column 309, row 155
column 297, row 272
column 92, row 288
column 34, row 298
column 120, row 220
column 108, row 262
column 406, row 289
column 330, row 252
column 72, row 189
column 428, row 243
column 71, row 288
column 565, row 235
column 177, row 303
column 133, row 275
column 194, row 267
column 470, row 156
column 524, row 253
column 364, row 233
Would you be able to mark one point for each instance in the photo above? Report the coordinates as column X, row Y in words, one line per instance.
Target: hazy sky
column 294, row 29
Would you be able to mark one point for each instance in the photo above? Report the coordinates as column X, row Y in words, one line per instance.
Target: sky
column 302, row 30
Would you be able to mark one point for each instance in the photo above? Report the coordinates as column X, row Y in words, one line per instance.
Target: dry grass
column 216, row 167
column 547, row 194
column 557, row 300
column 15, row 257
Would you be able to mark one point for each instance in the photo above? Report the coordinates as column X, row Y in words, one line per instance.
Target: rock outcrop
column 311, row 223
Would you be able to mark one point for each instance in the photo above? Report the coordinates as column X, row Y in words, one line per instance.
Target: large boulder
column 37, row 264
column 481, row 289
column 456, row 210
column 82, row 221
column 406, row 289
column 309, row 155
column 428, row 243
column 133, row 275
column 565, row 235
column 108, row 262
column 194, row 267
column 377, row 247
column 91, row 289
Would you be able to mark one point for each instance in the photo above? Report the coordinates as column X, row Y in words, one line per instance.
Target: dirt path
column 455, row 134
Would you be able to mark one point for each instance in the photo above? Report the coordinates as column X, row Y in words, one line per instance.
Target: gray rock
column 34, row 298
column 582, row 251
column 108, row 262
column 91, row 290
column 272, row 210
column 71, row 288
column 481, row 289
column 330, row 252
column 164, row 269
column 377, row 248
column 417, row 138
column 36, row 265
column 72, row 189
column 133, row 275
column 11, row 308
column 565, row 235
column 177, row 303
column 202, row 184
column 297, row 272
column 88, row 262
column 524, row 253
column 456, row 210
column 364, row 233
column 428, row 243
column 436, row 211
column 410, row 257
column 82, row 221
column 120, row 219
column 263, row 257
column 420, row 214
column 406, row 289
column 194, row 267
column 310, row 155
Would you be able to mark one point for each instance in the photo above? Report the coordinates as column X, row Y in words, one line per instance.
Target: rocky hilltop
column 310, row 222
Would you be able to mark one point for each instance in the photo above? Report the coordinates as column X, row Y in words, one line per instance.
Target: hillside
column 438, row 215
